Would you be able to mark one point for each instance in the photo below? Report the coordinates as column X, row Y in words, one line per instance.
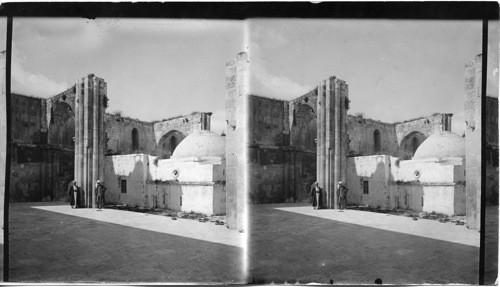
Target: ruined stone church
column 418, row 164
column 70, row 136
column 272, row 152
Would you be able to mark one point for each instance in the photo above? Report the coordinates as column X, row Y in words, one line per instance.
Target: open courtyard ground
column 291, row 242
column 54, row 243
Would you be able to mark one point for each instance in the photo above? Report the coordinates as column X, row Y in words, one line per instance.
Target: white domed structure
column 441, row 144
column 200, row 144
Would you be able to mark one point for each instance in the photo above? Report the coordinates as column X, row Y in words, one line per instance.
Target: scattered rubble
column 216, row 219
column 443, row 218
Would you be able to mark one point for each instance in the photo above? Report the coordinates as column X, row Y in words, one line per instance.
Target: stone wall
column 267, row 170
column 40, row 174
column 267, row 118
column 362, row 137
column 491, row 159
column 153, row 137
column 237, row 134
column 3, row 143
column 28, row 120
column 119, row 135
column 41, row 168
column 473, row 141
column 303, row 121
column 280, row 175
column 282, row 152
column 183, row 124
column 424, row 125
column 60, row 111
column 491, row 124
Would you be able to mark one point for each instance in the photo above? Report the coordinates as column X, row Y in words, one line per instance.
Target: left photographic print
column 118, row 162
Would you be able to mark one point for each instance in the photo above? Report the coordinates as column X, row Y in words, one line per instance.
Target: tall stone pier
column 236, row 140
column 332, row 138
column 3, row 140
column 473, row 70
column 90, row 136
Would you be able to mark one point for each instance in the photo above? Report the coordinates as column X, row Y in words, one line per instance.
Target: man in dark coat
column 99, row 191
column 316, row 195
column 342, row 191
column 73, row 190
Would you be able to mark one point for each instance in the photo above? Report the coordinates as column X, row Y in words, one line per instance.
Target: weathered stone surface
column 119, row 134
column 49, row 147
column 3, row 145
column 491, row 159
column 283, row 137
column 473, row 142
column 236, row 140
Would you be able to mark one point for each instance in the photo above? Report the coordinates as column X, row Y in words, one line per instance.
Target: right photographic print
column 372, row 151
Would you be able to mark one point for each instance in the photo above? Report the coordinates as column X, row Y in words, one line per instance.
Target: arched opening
column 168, row 143
column 135, row 139
column 376, row 141
column 173, row 143
column 410, row 144
column 414, row 144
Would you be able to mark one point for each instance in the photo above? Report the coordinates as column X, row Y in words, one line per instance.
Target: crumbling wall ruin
column 41, row 165
column 170, row 132
column 370, row 137
column 126, row 135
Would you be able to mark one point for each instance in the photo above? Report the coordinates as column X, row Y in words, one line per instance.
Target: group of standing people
column 74, row 191
column 341, row 193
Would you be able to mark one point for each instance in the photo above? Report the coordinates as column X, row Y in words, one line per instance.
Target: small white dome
column 441, row 144
column 201, row 143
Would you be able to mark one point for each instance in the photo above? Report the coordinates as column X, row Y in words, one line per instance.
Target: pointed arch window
column 376, row 141
column 135, row 139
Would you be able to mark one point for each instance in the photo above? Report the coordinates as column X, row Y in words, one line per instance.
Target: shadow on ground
column 53, row 247
column 291, row 247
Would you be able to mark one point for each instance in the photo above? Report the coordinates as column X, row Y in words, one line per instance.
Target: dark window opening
column 135, row 139
column 365, row 187
column 376, row 140
column 123, row 186
column 180, row 201
column 422, row 201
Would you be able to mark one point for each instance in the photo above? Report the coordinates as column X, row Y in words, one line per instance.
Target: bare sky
column 396, row 70
column 155, row 69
